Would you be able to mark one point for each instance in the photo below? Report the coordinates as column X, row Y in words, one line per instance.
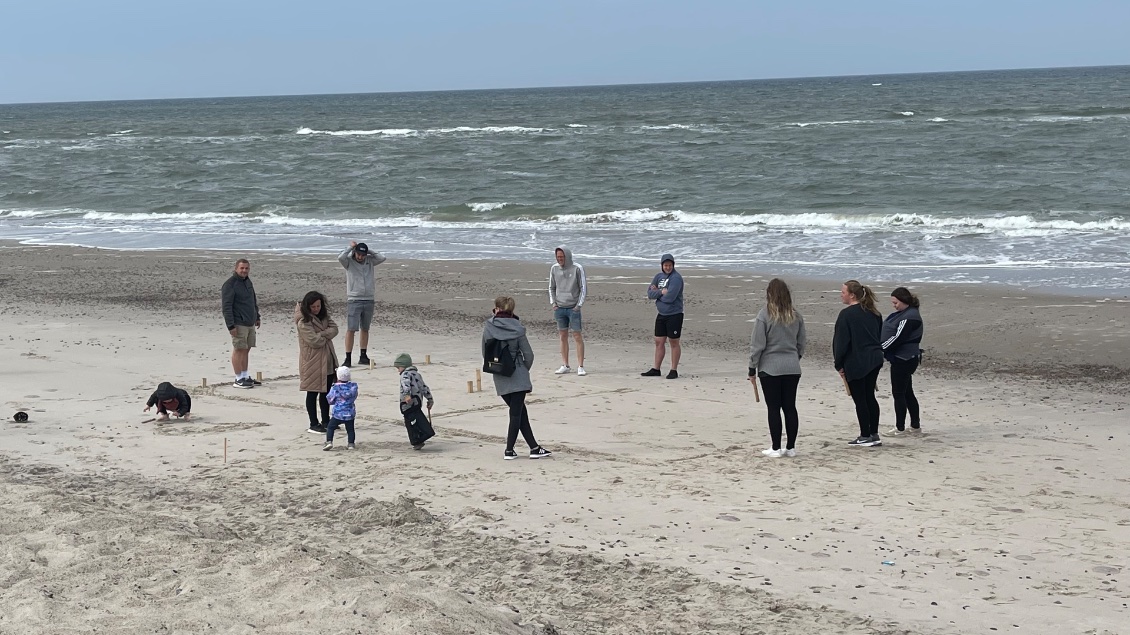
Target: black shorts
column 669, row 326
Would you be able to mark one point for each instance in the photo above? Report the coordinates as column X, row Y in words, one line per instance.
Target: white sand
column 657, row 513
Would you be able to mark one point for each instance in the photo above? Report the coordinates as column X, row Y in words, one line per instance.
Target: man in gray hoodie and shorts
column 360, row 296
column 567, row 289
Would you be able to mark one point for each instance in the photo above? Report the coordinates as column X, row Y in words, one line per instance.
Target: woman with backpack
column 507, row 356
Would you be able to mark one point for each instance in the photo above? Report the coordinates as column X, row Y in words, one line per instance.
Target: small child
column 168, row 398
column 413, row 392
column 341, row 398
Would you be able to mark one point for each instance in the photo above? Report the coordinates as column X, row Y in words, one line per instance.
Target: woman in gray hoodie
column 775, row 349
column 503, row 327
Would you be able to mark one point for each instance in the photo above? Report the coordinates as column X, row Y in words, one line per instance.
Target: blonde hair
column 779, row 302
column 863, row 294
column 505, row 303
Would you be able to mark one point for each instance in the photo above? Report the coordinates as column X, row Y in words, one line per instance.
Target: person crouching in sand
column 342, row 398
column 413, row 392
column 169, row 400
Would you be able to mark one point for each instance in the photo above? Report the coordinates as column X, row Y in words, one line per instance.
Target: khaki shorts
column 244, row 338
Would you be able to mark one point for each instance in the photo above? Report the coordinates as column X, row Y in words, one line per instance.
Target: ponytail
column 864, row 295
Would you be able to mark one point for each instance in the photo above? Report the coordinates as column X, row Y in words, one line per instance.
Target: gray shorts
column 359, row 315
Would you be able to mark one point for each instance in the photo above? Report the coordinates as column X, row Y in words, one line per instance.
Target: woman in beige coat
column 317, row 361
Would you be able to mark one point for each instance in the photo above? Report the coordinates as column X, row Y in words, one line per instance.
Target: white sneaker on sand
column 561, row 371
column 773, row 454
column 790, row 453
column 894, row 432
column 581, row 371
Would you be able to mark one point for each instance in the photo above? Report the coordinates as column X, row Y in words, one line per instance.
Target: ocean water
column 1015, row 177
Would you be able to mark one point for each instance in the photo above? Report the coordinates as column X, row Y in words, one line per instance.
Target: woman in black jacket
column 858, row 356
column 902, row 333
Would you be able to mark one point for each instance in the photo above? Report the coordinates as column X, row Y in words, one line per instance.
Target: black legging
column 519, row 420
column 902, row 387
column 866, row 405
column 780, row 394
column 316, row 400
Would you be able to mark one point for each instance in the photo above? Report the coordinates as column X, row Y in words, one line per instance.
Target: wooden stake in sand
column 756, row 393
column 204, row 382
column 470, row 387
column 427, row 359
column 259, row 376
column 478, row 380
column 225, row 449
column 371, row 364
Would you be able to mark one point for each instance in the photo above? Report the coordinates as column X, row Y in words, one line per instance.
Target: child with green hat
column 413, row 392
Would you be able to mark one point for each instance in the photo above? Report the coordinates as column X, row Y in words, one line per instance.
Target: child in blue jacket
column 341, row 398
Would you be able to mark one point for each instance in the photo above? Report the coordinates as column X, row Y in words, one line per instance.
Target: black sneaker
column 418, row 446
column 674, row 374
column 654, row 372
column 316, row 430
column 244, row 382
column 363, row 360
column 539, row 453
column 347, row 363
column 875, row 441
column 861, row 442
column 509, row 455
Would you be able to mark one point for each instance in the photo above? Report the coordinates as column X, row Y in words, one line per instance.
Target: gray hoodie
column 567, row 284
column 360, row 279
column 775, row 348
column 510, row 329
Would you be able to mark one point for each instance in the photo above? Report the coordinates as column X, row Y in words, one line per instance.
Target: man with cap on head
column 360, row 296
column 666, row 289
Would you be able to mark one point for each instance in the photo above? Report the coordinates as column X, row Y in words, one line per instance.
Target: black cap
column 361, row 248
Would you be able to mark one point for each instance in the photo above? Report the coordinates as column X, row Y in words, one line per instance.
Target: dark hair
column 863, row 294
column 310, row 299
column 902, row 294
column 242, row 261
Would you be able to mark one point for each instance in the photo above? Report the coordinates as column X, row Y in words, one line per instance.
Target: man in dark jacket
column 241, row 316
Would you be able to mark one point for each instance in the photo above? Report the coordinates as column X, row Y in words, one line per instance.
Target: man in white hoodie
column 567, row 289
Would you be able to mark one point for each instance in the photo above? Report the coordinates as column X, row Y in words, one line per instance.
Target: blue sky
column 127, row 49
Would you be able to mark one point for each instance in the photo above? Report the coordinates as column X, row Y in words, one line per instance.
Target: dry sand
column 657, row 513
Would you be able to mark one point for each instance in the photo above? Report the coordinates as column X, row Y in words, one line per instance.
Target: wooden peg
column 427, row 359
column 225, row 449
column 259, row 376
column 478, row 380
column 470, row 387
column 204, row 382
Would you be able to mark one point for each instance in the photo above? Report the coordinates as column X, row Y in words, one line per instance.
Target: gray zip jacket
column 775, row 348
column 567, row 284
column 360, row 279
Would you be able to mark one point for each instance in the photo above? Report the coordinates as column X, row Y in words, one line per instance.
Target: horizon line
column 560, row 86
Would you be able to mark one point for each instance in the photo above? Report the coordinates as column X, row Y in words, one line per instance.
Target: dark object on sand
column 20, row 417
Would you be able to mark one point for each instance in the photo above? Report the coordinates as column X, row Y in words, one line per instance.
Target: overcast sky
column 55, row 50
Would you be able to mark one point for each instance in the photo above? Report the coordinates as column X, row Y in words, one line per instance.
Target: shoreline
column 1000, row 286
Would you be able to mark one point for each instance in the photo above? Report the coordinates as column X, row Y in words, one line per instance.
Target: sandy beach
column 657, row 513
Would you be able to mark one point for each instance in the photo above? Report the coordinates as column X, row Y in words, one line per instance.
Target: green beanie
column 403, row 360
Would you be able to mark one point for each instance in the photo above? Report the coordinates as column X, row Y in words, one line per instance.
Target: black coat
column 856, row 349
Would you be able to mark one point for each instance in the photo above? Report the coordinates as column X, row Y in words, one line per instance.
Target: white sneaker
column 773, row 454
column 790, row 453
column 581, row 371
column 894, row 432
column 562, row 370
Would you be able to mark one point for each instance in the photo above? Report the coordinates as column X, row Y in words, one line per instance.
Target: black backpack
column 498, row 358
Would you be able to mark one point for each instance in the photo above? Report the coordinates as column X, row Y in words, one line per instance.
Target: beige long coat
column 316, row 356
